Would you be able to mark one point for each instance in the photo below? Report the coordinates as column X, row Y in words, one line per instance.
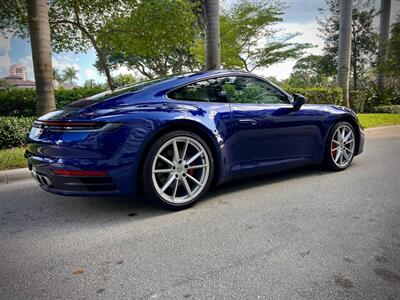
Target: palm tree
column 57, row 77
column 39, row 29
column 213, row 59
column 384, row 28
column 345, row 10
column 69, row 74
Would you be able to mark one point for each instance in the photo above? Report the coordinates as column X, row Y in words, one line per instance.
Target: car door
column 267, row 130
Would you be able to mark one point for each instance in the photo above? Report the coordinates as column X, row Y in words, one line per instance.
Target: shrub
column 13, row 131
column 63, row 96
column 22, row 102
column 360, row 101
column 319, row 95
column 18, row 102
column 386, row 109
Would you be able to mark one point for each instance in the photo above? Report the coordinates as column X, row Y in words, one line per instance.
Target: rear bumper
column 119, row 180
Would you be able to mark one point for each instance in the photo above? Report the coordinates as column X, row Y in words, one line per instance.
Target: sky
column 300, row 16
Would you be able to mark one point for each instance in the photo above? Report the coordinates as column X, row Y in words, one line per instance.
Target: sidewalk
column 11, row 176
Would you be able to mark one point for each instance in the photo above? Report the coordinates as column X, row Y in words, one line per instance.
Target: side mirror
column 298, row 101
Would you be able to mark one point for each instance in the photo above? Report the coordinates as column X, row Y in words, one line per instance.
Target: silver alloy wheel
column 342, row 146
column 180, row 170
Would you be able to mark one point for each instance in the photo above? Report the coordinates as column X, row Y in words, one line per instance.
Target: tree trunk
column 39, row 30
column 106, row 69
column 384, row 29
column 213, row 58
column 345, row 11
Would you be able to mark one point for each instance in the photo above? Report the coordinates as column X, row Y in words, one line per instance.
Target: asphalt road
column 306, row 233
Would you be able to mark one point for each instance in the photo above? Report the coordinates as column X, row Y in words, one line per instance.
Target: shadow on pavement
column 34, row 208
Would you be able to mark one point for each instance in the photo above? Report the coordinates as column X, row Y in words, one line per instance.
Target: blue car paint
column 276, row 136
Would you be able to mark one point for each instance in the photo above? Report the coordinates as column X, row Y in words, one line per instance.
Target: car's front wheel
column 340, row 146
column 178, row 170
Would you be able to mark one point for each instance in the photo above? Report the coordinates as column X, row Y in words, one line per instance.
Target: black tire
column 329, row 161
column 149, row 188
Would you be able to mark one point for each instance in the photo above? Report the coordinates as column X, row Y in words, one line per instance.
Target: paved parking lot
column 306, row 233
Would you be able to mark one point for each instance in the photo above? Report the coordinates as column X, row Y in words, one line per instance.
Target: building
column 18, row 70
column 18, row 77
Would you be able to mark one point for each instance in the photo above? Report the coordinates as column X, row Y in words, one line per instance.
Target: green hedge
column 319, row 95
column 22, row 102
column 386, row 109
column 359, row 101
column 13, row 131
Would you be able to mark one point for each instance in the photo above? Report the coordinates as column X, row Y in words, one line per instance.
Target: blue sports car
column 175, row 136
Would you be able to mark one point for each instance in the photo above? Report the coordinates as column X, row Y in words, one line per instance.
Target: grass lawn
column 12, row 158
column 377, row 120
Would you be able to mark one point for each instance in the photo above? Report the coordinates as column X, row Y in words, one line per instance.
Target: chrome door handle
column 247, row 122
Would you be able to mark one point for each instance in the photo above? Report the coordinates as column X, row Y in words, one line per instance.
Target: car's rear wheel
column 340, row 146
column 178, row 170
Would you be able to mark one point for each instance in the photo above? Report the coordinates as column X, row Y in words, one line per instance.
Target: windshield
column 131, row 88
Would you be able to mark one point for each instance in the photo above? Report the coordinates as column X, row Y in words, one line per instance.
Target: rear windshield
column 135, row 87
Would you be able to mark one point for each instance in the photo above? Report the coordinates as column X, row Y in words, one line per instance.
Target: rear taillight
column 59, row 126
column 80, row 173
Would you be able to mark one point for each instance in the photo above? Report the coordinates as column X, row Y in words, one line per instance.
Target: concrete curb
column 382, row 128
column 11, row 176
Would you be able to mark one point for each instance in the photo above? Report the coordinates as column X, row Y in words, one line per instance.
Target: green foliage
column 18, row 102
column 248, row 40
column 12, row 158
column 22, row 102
column 63, row 96
column 386, row 109
column 69, row 74
column 363, row 39
column 74, row 25
column 57, row 76
column 310, row 71
column 319, row 95
column 123, row 79
column 393, row 65
column 155, row 38
column 13, row 131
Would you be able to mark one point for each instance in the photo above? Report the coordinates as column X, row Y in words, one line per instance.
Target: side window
column 208, row 90
column 252, row 90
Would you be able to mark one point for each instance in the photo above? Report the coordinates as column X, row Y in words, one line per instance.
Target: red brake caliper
column 333, row 146
column 190, row 172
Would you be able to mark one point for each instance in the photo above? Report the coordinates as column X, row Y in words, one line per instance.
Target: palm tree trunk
column 345, row 11
column 384, row 29
column 39, row 30
column 213, row 58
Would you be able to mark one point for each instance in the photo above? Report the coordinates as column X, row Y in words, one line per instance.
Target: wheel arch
column 353, row 122
column 186, row 125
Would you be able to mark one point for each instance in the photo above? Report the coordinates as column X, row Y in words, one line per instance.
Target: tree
column 69, row 74
column 57, row 76
column 212, row 49
column 393, row 65
column 152, row 40
column 248, row 40
column 74, row 24
column 89, row 83
column 38, row 20
column 363, row 39
column 344, row 48
column 123, row 79
column 30, row 20
column 310, row 71
column 384, row 28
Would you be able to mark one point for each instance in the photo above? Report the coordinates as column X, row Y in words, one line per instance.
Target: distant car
column 175, row 136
